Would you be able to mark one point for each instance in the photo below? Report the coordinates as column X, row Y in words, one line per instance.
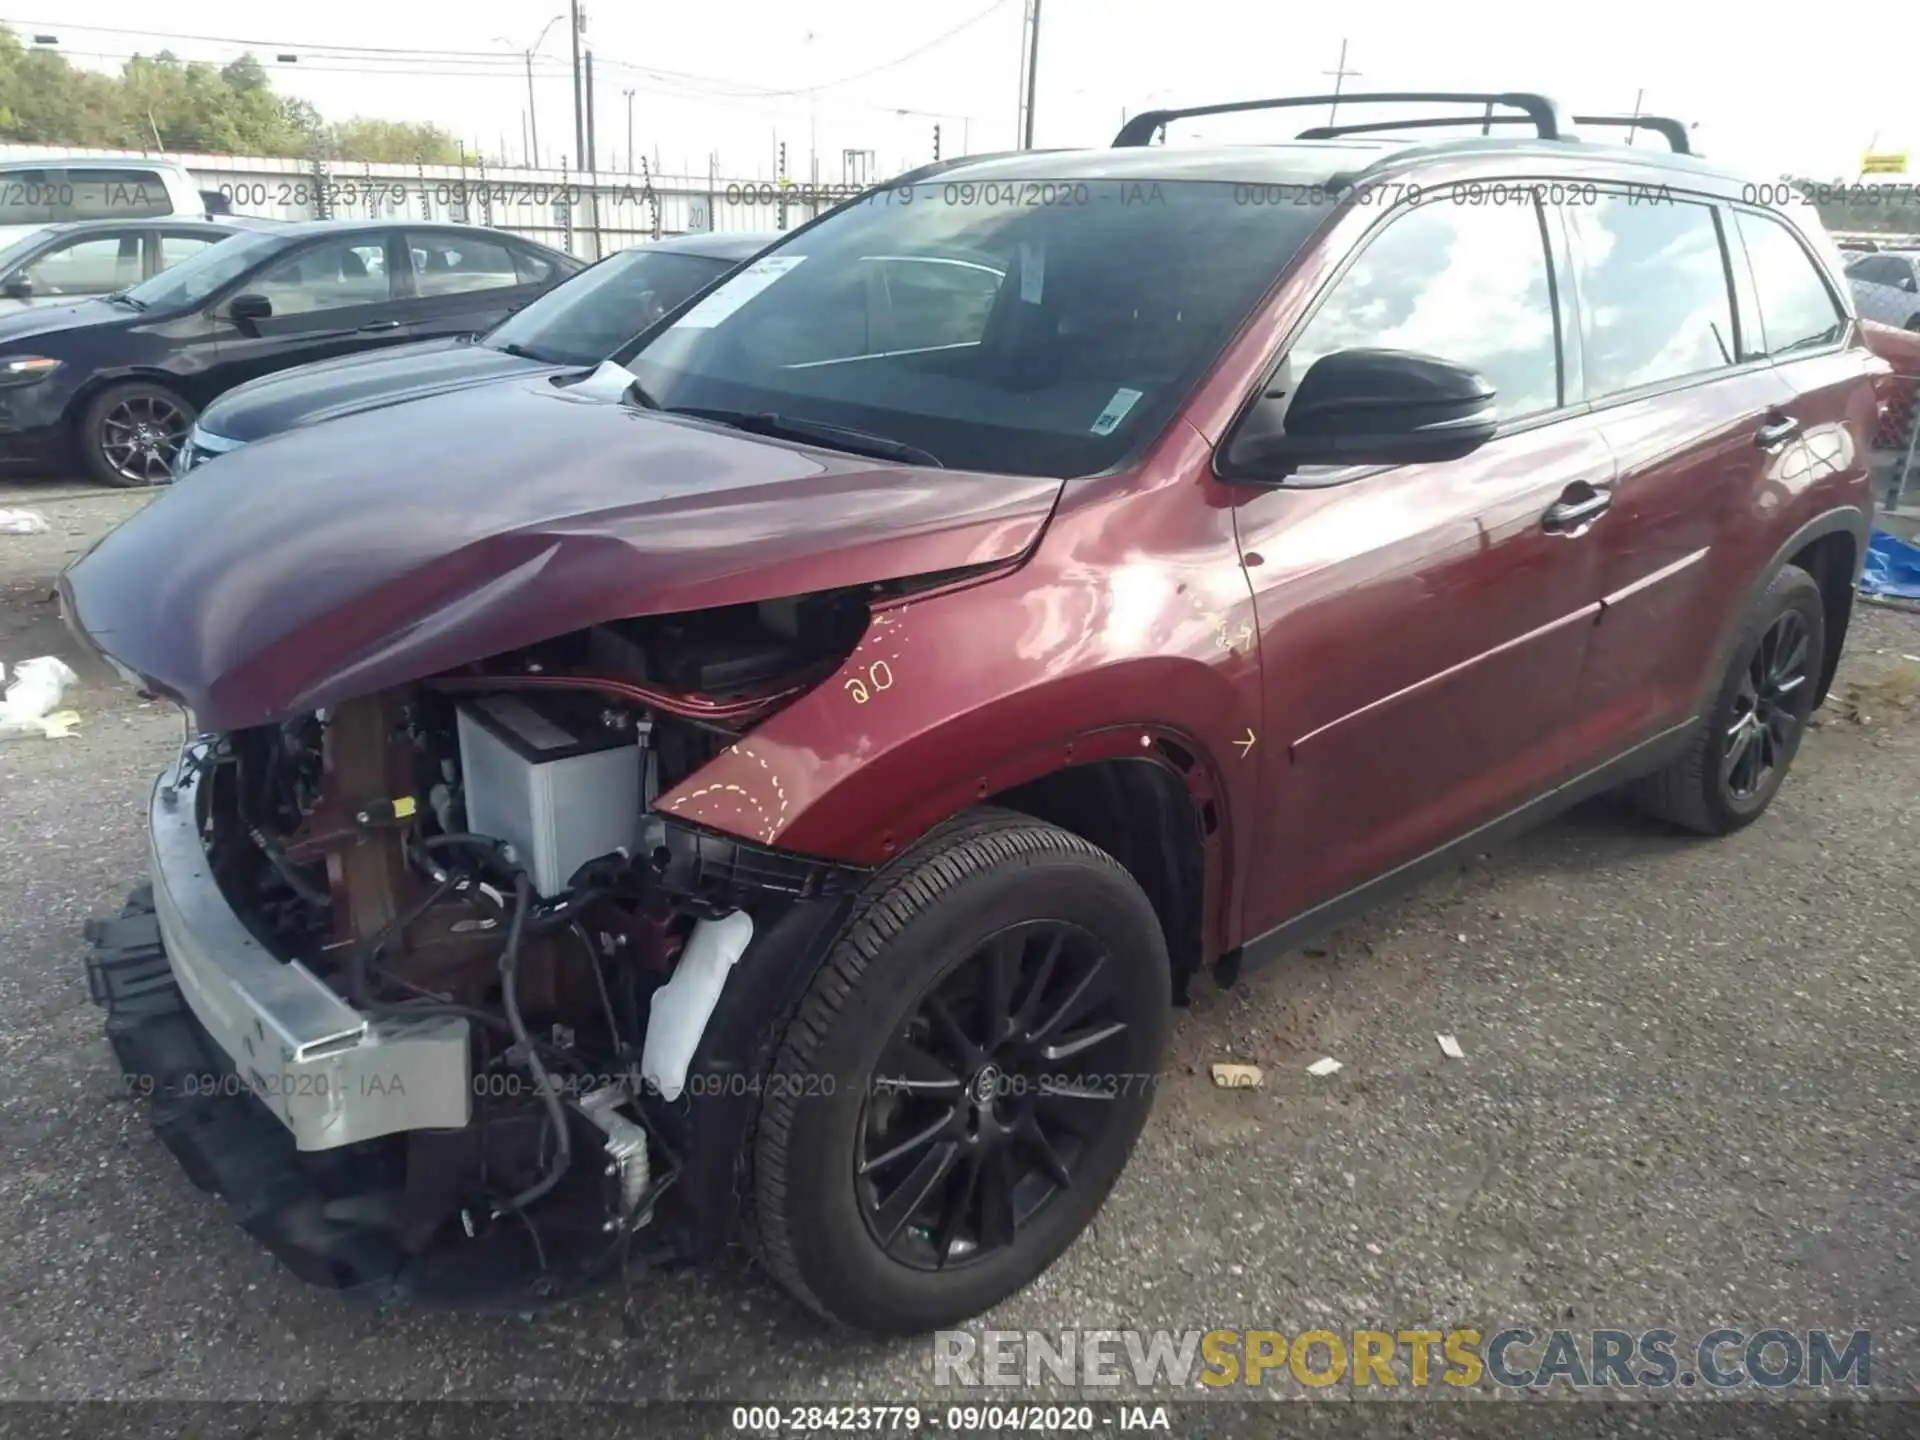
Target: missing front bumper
column 322, row 1214
column 327, row 1072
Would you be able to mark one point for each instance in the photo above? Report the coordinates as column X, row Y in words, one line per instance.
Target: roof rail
column 1674, row 132
column 1543, row 112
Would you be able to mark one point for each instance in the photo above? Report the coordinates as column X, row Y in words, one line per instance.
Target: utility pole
column 592, row 153
column 579, row 113
column 1033, row 71
column 533, row 125
column 1339, row 74
column 630, row 151
column 1638, row 96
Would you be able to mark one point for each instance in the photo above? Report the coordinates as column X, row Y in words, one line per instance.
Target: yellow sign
column 1894, row 163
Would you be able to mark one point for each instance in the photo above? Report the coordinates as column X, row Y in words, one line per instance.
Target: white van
column 41, row 192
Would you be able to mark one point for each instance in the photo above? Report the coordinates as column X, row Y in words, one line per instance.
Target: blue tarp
column 1893, row 568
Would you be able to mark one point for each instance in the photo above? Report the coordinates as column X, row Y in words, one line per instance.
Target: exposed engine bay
column 480, row 847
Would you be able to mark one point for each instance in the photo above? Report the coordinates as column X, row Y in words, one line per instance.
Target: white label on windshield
column 737, row 292
column 1123, row 400
column 1033, row 271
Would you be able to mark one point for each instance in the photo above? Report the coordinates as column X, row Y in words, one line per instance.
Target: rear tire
column 1738, row 757
column 129, row 434
column 1001, row 980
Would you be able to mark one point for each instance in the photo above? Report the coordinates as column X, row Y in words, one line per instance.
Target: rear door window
column 1797, row 310
column 1656, row 305
column 176, row 246
column 458, row 264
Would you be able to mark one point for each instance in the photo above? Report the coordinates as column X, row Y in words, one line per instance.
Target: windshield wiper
column 832, row 437
column 125, row 299
column 524, row 352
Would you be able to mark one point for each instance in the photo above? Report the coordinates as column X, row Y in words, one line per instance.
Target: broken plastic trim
column 711, row 870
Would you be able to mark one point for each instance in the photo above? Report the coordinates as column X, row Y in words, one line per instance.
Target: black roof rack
column 1543, row 112
column 1674, row 132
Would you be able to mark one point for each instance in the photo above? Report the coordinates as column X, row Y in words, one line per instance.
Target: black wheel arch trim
column 1842, row 519
column 100, row 381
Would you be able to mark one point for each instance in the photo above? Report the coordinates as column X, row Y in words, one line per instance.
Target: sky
column 827, row 76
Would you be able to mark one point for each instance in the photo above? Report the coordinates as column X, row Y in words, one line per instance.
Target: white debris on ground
column 32, row 703
column 1230, row 1076
column 1449, row 1046
column 23, row 522
column 1323, row 1067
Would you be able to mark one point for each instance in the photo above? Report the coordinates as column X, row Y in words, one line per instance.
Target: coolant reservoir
column 682, row 1007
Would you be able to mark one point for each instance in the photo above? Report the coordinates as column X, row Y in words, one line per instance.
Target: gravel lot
column 1688, row 1100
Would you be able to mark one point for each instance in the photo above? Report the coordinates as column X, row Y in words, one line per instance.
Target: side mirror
column 17, row 286
column 245, row 310
column 1366, row 407
column 1907, row 282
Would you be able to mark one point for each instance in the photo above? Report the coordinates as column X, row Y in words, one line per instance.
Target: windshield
column 13, row 254
column 198, row 276
column 1031, row 328
column 586, row 319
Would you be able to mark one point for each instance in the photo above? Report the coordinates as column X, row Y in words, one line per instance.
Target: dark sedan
column 589, row 319
column 114, row 384
column 82, row 258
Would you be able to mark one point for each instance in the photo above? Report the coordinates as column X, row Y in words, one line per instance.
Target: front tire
column 964, row 1080
column 129, row 434
column 1737, row 759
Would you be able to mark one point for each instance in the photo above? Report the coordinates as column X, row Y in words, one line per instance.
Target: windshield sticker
column 737, row 292
column 1033, row 271
column 1123, row 400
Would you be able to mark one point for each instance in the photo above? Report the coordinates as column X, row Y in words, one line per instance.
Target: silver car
column 1886, row 287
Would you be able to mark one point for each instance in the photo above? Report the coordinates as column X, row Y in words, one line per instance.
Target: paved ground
column 1688, row 1100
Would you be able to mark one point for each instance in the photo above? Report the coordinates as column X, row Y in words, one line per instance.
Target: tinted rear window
column 51, row 195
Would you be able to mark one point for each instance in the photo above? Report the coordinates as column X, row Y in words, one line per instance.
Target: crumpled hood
column 334, row 561
column 347, row 384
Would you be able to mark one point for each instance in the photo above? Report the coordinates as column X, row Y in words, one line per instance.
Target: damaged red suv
column 777, row 790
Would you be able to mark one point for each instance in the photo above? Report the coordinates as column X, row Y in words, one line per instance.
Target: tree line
column 162, row 102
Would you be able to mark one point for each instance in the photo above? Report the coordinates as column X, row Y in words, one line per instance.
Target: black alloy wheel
column 965, row 1077
column 987, row 1097
column 1740, row 748
column 132, row 433
column 1767, row 709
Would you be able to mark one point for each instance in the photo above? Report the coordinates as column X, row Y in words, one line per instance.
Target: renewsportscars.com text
column 1512, row 1358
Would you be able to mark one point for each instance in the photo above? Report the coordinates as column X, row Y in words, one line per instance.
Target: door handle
column 379, row 325
column 1776, row 433
column 1578, row 503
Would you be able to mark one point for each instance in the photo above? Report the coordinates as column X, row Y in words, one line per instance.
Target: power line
column 488, row 62
column 667, row 83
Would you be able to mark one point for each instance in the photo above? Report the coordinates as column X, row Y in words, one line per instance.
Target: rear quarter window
column 1797, row 310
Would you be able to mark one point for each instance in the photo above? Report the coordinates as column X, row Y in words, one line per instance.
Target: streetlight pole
column 629, row 95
